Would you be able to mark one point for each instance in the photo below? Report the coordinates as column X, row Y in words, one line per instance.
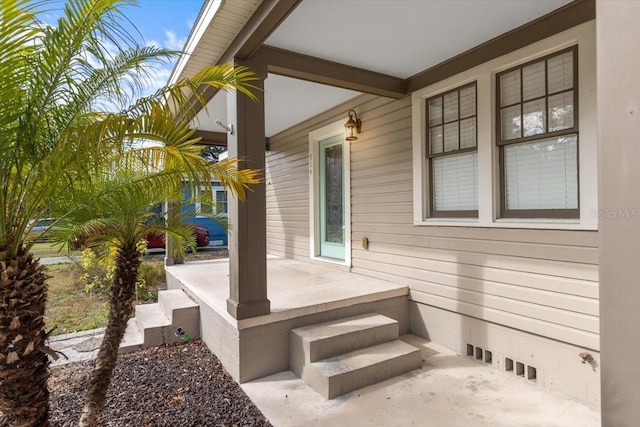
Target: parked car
column 201, row 234
column 41, row 229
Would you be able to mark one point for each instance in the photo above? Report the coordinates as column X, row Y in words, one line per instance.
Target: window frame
column 221, row 208
column 502, row 143
column 433, row 213
column 583, row 36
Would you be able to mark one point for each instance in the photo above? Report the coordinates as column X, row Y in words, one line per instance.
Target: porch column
column 618, row 87
column 248, row 234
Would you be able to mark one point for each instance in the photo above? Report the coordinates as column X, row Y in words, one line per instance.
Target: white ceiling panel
column 402, row 37
column 287, row 102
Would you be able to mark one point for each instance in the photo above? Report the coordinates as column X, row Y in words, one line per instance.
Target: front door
column 331, row 197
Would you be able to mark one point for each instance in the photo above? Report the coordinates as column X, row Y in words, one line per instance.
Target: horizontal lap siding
column 287, row 186
column 287, row 191
column 540, row 281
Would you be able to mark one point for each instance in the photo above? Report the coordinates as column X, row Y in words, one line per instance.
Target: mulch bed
column 178, row 385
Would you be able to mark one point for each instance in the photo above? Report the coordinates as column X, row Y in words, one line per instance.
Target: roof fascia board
column 299, row 66
column 264, row 21
column 269, row 15
column 568, row 16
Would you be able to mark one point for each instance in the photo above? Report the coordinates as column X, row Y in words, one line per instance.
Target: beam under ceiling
column 299, row 66
column 566, row 17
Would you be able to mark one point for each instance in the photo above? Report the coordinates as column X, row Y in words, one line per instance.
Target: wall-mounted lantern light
column 352, row 127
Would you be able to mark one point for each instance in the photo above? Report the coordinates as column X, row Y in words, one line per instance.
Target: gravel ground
column 180, row 385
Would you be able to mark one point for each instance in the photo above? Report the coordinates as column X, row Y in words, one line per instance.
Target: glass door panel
column 331, row 196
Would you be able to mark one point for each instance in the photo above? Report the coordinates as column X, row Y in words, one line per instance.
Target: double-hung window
column 537, row 137
column 221, row 201
column 452, row 153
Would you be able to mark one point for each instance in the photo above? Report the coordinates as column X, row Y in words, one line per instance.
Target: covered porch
column 301, row 294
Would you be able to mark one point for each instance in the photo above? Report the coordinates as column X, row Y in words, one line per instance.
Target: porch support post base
column 169, row 260
column 248, row 309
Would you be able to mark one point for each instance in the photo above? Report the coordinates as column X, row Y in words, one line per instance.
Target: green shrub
column 150, row 277
column 97, row 272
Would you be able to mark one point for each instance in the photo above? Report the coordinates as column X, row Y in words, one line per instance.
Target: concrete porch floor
column 295, row 288
column 448, row 391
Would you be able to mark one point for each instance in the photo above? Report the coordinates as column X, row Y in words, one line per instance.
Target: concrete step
column 312, row 343
column 338, row 375
column 183, row 313
column 133, row 339
column 156, row 324
column 152, row 322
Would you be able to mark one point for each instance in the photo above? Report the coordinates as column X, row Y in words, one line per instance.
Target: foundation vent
column 511, row 366
column 479, row 354
column 520, row 369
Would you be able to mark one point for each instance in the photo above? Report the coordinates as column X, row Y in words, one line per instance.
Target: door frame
column 328, row 131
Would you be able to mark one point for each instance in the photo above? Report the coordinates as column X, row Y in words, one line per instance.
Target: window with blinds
column 537, row 135
column 452, row 153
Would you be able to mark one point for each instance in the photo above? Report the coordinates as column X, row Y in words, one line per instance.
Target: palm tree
column 63, row 122
column 116, row 211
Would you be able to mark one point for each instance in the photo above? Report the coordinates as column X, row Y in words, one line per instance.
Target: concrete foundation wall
column 558, row 366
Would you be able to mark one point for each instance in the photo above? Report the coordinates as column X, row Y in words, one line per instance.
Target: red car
column 201, row 234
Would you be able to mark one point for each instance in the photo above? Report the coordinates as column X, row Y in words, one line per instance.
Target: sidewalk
column 59, row 259
column 76, row 347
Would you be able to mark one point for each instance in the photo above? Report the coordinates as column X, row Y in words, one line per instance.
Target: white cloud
column 173, row 42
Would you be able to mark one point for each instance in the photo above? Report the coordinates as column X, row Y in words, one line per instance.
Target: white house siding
column 538, row 281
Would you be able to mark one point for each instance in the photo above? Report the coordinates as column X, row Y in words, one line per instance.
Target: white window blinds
column 455, row 182
column 542, row 174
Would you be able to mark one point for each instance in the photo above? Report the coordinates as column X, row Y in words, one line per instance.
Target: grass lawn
column 46, row 249
column 69, row 307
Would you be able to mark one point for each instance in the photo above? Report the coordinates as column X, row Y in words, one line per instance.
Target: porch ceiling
column 355, row 46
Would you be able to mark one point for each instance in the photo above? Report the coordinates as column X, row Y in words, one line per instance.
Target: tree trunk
column 24, row 396
column 121, row 299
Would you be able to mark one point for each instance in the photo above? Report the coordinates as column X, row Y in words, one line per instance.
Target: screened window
column 537, row 134
column 221, row 201
column 452, row 152
column 204, row 206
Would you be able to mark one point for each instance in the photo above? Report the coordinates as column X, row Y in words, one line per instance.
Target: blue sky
column 164, row 23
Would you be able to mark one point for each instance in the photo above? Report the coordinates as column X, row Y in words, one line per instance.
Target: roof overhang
column 320, row 54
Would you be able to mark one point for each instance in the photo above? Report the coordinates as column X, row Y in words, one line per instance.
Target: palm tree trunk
column 23, row 353
column 121, row 298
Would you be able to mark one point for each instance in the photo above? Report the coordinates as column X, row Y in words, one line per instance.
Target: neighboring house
column 196, row 213
column 479, row 178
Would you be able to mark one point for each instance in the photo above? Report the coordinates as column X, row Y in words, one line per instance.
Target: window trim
column 502, row 143
column 430, row 156
column 583, row 36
